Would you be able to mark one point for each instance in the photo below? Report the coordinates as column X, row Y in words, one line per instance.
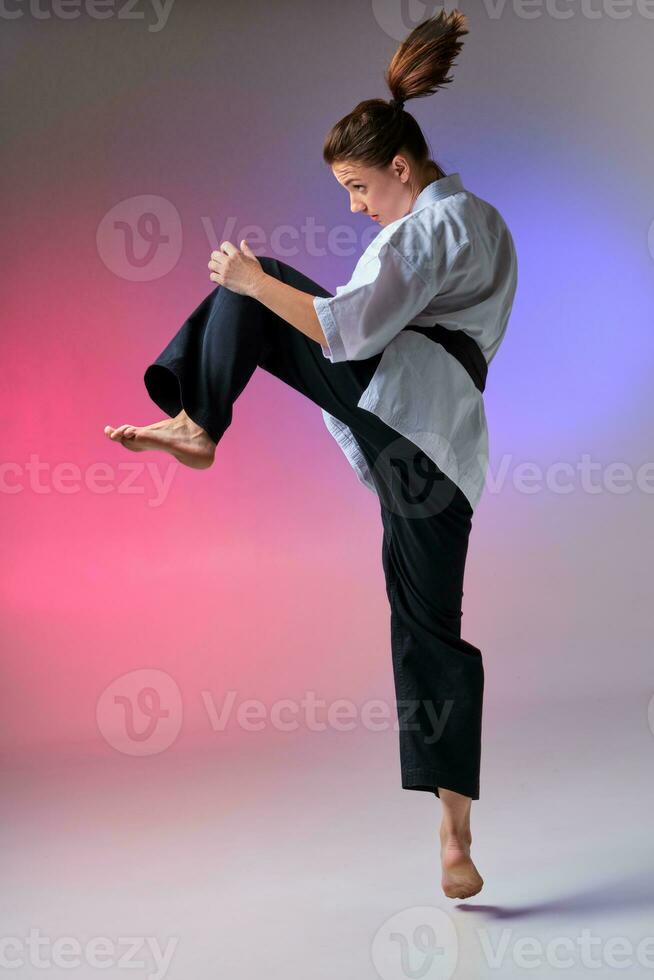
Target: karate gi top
column 450, row 260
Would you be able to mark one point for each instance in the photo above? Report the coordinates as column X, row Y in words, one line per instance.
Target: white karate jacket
column 450, row 260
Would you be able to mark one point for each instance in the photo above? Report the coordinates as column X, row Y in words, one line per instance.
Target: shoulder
column 483, row 216
column 430, row 237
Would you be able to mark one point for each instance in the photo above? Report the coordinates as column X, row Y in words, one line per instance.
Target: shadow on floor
column 622, row 894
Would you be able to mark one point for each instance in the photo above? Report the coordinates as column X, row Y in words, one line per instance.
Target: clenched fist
column 239, row 271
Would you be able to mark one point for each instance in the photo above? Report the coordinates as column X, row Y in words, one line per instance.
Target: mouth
column 375, row 217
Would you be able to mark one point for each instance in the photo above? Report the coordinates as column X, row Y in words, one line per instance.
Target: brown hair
column 374, row 131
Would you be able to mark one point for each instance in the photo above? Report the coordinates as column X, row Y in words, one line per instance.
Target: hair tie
column 397, row 104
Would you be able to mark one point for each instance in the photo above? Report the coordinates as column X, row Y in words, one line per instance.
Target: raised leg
column 201, row 372
column 209, row 361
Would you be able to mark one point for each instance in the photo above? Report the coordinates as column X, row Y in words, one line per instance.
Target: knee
column 269, row 264
column 277, row 267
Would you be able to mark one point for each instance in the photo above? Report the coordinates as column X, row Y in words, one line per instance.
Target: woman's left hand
column 238, row 271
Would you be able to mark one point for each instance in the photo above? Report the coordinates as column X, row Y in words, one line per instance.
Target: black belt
column 462, row 346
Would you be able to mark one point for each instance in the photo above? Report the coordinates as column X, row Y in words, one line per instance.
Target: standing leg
column 439, row 677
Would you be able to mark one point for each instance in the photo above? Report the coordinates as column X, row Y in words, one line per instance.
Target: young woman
column 397, row 361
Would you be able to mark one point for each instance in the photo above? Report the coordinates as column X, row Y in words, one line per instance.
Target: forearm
column 291, row 304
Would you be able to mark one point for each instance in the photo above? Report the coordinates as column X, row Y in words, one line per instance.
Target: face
column 384, row 194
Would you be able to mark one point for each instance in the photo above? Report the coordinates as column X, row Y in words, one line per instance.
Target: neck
column 433, row 172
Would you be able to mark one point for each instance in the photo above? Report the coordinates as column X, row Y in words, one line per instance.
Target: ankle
column 192, row 427
column 453, row 836
column 186, row 420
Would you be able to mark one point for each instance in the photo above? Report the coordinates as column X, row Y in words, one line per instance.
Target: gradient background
column 288, row 850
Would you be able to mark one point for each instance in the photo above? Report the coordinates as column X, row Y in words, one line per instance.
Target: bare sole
column 194, row 450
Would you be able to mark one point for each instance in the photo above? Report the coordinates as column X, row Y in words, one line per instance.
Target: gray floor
column 299, row 856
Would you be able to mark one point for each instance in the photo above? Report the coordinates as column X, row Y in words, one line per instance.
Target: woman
column 397, row 362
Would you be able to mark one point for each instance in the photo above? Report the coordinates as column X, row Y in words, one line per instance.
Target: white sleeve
column 360, row 320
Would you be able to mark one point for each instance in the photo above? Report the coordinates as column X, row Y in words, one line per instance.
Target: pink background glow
column 264, row 573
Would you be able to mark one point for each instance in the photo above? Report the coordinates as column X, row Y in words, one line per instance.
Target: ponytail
column 375, row 130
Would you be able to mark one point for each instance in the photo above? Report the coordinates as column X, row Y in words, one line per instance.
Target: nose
column 354, row 207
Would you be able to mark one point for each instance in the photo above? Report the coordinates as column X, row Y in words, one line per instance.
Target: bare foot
column 181, row 437
column 460, row 877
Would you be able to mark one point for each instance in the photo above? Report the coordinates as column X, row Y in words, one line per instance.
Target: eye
column 358, row 186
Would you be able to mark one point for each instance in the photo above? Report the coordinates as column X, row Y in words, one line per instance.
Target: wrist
column 259, row 284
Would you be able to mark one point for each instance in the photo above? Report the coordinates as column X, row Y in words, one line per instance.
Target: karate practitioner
column 397, row 361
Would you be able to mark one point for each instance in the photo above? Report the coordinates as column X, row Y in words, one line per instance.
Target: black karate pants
column 438, row 676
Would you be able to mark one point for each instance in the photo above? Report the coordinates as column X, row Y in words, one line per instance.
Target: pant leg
column 439, row 677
